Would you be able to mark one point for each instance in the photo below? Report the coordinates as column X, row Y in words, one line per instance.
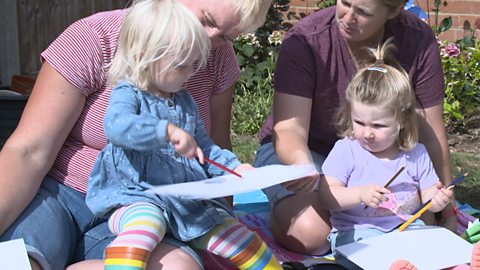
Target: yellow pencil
column 428, row 205
column 414, row 217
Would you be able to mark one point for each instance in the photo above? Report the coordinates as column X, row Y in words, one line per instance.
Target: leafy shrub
column 461, row 66
column 256, row 55
column 326, row 3
column 254, row 90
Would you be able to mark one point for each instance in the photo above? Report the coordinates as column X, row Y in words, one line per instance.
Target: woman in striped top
column 45, row 164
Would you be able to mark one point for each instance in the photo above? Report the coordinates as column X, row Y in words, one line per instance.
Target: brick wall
column 463, row 12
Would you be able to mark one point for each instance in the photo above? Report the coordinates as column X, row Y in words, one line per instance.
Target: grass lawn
column 468, row 191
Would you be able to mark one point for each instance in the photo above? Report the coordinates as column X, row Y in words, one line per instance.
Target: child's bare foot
column 402, row 265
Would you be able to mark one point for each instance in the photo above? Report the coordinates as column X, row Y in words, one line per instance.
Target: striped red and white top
column 82, row 54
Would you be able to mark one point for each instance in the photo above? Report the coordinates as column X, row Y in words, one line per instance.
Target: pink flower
column 450, row 50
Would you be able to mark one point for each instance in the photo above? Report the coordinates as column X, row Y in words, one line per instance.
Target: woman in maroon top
column 317, row 59
column 63, row 124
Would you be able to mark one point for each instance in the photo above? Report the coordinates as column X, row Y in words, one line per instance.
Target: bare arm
column 433, row 136
column 291, row 126
column 291, row 117
column 337, row 197
column 51, row 111
column 439, row 195
column 221, row 114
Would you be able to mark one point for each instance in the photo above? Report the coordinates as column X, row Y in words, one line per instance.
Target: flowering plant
column 257, row 55
column 461, row 67
column 450, row 50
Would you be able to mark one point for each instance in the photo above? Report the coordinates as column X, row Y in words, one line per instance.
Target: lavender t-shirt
column 314, row 62
column 354, row 166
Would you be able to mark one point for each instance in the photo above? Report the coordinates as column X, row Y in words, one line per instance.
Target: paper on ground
column 13, row 255
column 227, row 185
column 426, row 247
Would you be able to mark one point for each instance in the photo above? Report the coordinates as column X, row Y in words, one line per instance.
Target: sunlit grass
column 467, row 191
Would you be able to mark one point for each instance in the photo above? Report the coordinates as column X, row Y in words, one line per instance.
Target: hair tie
column 380, row 69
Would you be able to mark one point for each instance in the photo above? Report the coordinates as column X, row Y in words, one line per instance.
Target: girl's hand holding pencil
column 440, row 200
column 442, row 197
column 389, row 182
column 372, row 195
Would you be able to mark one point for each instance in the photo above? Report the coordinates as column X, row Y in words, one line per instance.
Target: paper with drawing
column 227, row 185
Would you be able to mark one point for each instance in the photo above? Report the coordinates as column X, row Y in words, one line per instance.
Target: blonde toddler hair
column 382, row 82
column 157, row 30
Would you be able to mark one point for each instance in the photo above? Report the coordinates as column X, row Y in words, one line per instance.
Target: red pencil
column 221, row 167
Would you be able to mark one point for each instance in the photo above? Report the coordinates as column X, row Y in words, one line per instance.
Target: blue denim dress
column 138, row 156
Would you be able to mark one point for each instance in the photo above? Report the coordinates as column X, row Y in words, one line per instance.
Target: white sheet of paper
column 13, row 255
column 227, row 185
column 426, row 247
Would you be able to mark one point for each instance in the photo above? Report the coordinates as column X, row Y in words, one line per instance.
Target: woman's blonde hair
column 252, row 13
column 382, row 82
column 155, row 30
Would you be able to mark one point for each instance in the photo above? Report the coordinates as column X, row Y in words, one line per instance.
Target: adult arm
column 291, row 118
column 433, row 135
column 221, row 114
column 50, row 113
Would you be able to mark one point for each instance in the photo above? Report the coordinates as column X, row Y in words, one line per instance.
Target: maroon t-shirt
column 314, row 62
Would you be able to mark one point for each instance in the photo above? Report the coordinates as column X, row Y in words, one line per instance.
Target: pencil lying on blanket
column 222, row 167
column 427, row 205
column 391, row 180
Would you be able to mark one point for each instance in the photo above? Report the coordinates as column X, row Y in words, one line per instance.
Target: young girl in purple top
column 377, row 124
column 316, row 62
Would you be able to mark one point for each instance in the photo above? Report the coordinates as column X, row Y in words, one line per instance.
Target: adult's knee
column 304, row 231
column 166, row 256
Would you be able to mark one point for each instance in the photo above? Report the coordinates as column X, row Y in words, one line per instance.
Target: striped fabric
column 139, row 228
column 235, row 242
column 125, row 258
column 139, row 225
column 82, row 54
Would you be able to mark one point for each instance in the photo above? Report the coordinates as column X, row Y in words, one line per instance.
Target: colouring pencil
column 427, row 205
column 391, row 180
column 221, row 167
column 451, row 185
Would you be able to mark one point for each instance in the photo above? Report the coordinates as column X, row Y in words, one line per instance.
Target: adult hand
column 243, row 167
column 302, row 185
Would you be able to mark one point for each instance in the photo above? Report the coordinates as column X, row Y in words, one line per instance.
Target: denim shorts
column 59, row 229
column 266, row 155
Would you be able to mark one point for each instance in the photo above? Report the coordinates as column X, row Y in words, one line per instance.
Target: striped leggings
column 141, row 226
